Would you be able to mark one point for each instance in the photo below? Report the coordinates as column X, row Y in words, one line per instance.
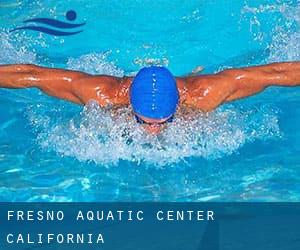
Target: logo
column 57, row 28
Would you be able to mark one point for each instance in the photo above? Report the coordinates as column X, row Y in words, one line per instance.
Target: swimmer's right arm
column 54, row 82
column 74, row 86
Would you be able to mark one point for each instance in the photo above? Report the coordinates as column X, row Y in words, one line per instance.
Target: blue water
column 248, row 150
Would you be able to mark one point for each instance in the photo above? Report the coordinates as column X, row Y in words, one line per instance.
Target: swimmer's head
column 154, row 95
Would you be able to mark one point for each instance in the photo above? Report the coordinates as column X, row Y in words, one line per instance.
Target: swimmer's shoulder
column 190, row 86
column 106, row 90
column 205, row 92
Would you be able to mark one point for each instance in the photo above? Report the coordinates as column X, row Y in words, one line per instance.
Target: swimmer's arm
column 255, row 79
column 74, row 86
column 54, row 82
column 207, row 92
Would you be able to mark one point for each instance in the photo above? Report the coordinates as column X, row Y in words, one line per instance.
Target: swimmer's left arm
column 207, row 92
column 252, row 80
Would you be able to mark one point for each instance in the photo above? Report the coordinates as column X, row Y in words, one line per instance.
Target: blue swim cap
column 154, row 93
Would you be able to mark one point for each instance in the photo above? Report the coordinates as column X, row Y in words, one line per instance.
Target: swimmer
column 154, row 93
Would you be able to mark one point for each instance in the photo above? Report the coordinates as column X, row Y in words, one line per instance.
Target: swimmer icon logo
column 57, row 28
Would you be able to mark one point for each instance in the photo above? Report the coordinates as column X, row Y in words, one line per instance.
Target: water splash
column 95, row 63
column 264, row 8
column 106, row 136
column 195, row 16
column 285, row 35
column 285, row 45
column 143, row 62
column 12, row 51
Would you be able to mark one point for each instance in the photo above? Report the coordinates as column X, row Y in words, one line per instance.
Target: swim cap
column 154, row 93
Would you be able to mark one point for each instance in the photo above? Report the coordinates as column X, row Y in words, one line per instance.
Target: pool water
column 248, row 150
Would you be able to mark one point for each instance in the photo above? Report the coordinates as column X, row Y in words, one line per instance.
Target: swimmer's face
column 153, row 126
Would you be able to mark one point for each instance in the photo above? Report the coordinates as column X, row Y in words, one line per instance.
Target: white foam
column 12, row 51
column 285, row 44
column 106, row 136
column 95, row 63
